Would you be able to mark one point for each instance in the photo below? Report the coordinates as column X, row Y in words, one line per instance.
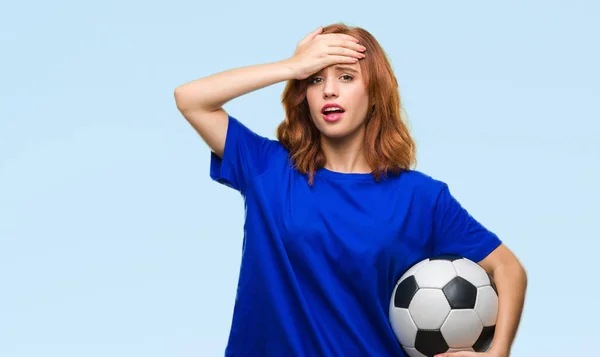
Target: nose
column 330, row 89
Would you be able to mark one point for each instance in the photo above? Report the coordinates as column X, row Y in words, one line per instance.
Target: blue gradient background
column 114, row 241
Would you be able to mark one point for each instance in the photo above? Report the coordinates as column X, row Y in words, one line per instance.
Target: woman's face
column 341, row 88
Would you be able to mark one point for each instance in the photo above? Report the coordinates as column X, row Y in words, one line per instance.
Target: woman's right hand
column 317, row 51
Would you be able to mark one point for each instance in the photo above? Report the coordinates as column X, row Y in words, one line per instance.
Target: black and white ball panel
column 485, row 340
column 467, row 335
column 403, row 322
column 472, row 272
column 486, row 305
column 429, row 308
column 461, row 294
column 413, row 352
column 435, row 274
column 430, row 342
column 405, row 291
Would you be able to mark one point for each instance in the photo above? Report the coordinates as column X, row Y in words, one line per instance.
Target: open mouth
column 332, row 108
column 332, row 112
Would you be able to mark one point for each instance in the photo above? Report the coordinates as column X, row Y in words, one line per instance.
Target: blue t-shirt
column 319, row 263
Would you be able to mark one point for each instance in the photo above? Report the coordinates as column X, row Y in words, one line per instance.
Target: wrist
column 499, row 351
column 287, row 69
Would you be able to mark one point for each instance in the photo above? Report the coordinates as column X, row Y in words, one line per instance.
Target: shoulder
column 257, row 142
column 420, row 181
column 421, row 187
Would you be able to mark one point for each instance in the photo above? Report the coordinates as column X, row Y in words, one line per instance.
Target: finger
column 455, row 354
column 341, row 51
column 315, row 33
column 347, row 44
column 312, row 35
column 333, row 59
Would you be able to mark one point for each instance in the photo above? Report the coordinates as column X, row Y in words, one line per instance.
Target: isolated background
column 114, row 241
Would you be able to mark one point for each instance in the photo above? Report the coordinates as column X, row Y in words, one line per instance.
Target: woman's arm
column 201, row 100
column 511, row 282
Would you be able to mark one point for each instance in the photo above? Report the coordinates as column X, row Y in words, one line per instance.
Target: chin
column 335, row 133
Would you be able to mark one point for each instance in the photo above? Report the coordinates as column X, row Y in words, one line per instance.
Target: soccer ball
column 441, row 304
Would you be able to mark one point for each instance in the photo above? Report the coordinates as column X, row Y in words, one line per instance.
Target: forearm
column 511, row 282
column 212, row 92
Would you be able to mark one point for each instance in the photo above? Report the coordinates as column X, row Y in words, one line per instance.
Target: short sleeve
column 246, row 155
column 456, row 232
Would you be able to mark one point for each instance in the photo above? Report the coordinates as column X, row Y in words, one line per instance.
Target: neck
column 345, row 155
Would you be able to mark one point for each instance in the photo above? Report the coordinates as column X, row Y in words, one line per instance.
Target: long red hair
column 389, row 146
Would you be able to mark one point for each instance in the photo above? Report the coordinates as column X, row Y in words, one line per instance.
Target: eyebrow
column 340, row 68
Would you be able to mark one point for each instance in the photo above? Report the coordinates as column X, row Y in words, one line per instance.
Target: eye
column 315, row 80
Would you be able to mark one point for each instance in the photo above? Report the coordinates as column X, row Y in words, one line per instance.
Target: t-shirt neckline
column 345, row 175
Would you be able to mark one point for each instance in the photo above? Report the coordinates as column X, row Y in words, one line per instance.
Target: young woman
column 334, row 212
